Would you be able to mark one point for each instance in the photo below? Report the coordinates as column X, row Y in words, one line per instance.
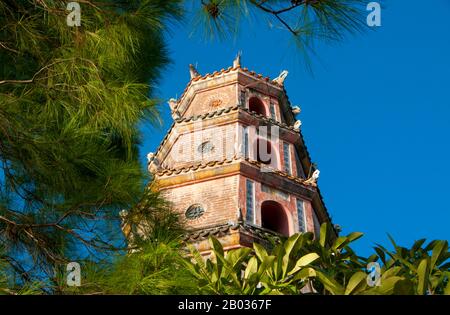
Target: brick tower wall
column 185, row 151
column 219, row 198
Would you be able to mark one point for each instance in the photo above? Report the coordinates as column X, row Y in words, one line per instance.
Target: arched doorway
column 257, row 106
column 273, row 217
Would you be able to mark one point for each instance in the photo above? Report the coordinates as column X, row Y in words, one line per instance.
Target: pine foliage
column 71, row 100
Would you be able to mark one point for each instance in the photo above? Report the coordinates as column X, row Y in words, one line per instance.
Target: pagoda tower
column 234, row 163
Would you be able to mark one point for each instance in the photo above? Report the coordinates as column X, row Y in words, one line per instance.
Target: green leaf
column 323, row 234
column 214, row 271
column 304, row 261
column 340, row 242
column 447, row 287
column 354, row 236
column 422, row 274
column 397, row 248
column 403, row 287
column 387, row 286
column 381, row 254
column 372, row 258
column 288, row 246
column 278, row 263
column 236, row 257
column 260, row 251
column 439, row 248
column 357, row 282
column 219, row 255
column 390, row 272
column 290, row 243
column 232, row 264
column 397, row 256
column 417, row 244
column 265, row 265
column 201, row 264
column 216, row 245
column 252, row 267
column 305, row 273
column 430, row 245
column 331, row 285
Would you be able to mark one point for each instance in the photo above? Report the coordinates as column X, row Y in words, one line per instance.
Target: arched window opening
column 273, row 217
column 257, row 106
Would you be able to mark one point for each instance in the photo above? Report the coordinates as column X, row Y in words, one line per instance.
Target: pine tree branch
column 26, row 81
column 47, row 67
column 17, row 81
column 8, row 48
column 276, row 13
column 294, row 5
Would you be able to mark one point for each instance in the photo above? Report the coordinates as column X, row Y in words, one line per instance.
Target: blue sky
column 376, row 115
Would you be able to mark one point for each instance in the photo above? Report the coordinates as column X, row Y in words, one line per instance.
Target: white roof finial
column 280, row 79
column 150, row 156
column 237, row 60
column 296, row 110
column 313, row 179
column 193, row 72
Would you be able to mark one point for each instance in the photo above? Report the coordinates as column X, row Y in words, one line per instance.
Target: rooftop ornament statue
column 280, row 79
column 193, row 72
column 313, row 179
column 237, row 60
column 173, row 108
column 153, row 163
column 296, row 110
column 297, row 125
column 150, row 156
